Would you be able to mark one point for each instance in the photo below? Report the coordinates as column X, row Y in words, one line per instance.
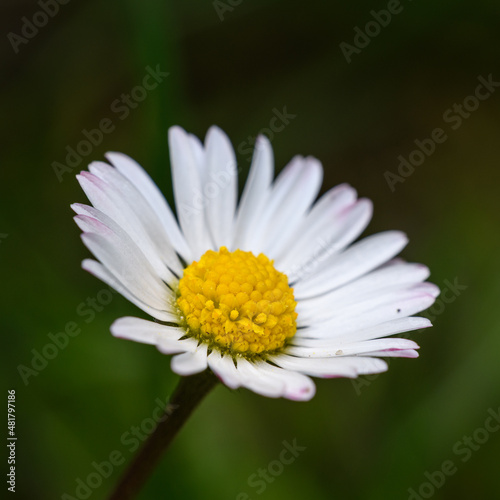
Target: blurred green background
column 233, row 63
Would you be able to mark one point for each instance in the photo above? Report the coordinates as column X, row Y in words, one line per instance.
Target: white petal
column 357, row 260
column 325, row 210
column 144, row 331
column 332, row 203
column 350, row 349
column 407, row 304
column 199, row 156
column 132, row 270
column 262, row 378
column 397, row 275
column 391, row 328
column 119, row 243
column 305, row 337
column 129, row 194
column 137, row 275
column 257, row 381
column 108, row 201
column 331, row 367
column 328, row 239
column 298, row 387
column 224, row 369
column 357, row 309
column 222, row 181
column 141, row 180
column 190, row 363
column 257, row 188
column 379, row 285
column 99, row 271
column 190, row 199
column 396, row 353
column 283, row 221
column 275, row 199
column 169, row 346
column 89, row 219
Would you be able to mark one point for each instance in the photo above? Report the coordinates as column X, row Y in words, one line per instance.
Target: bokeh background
column 233, row 63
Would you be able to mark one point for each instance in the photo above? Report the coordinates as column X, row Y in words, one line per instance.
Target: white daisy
column 265, row 292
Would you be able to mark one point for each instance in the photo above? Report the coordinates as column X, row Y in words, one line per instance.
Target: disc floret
column 237, row 303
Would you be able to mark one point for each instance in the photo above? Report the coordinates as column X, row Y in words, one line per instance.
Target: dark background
column 368, row 439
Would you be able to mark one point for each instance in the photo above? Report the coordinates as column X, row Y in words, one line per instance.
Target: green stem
column 188, row 394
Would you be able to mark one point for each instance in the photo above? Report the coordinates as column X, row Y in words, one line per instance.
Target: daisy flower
column 266, row 291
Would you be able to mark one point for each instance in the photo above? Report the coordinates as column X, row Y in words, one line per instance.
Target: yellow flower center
column 237, row 303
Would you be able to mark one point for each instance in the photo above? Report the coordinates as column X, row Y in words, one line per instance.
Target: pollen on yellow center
column 237, row 302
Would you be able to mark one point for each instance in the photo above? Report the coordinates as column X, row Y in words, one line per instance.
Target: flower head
column 265, row 292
